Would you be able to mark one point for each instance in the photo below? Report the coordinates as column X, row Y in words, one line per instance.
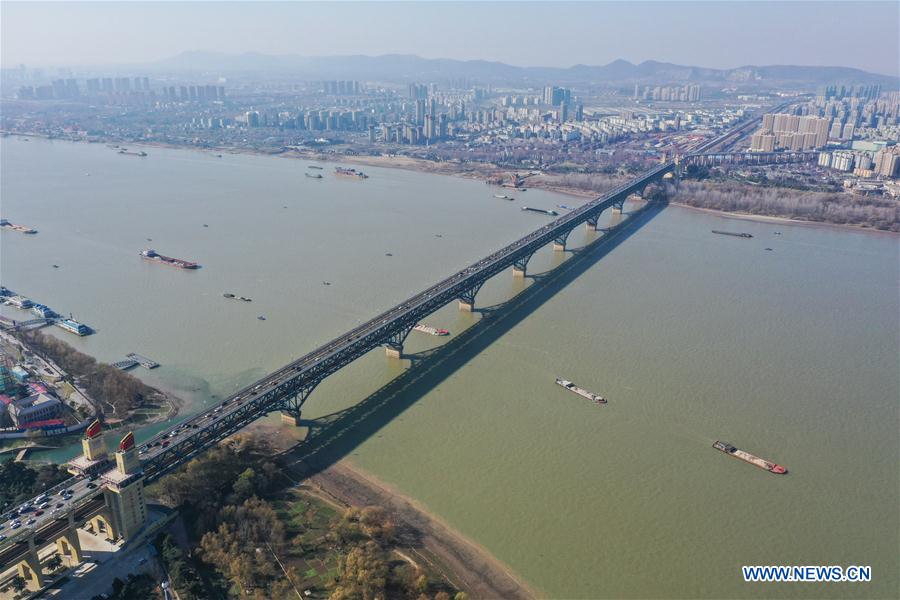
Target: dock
column 145, row 362
column 124, row 365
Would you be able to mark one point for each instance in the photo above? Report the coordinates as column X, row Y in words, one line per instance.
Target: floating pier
column 145, row 362
column 124, row 365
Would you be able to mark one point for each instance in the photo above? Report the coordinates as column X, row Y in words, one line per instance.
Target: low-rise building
column 37, row 407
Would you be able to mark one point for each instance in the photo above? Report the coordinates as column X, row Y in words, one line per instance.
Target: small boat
column 55, row 266
column 261, row 318
column 438, row 235
column 314, row 167
column 388, row 254
column 205, row 225
column 769, row 249
column 314, row 175
column 326, row 283
column 228, row 295
column 777, row 233
column 218, row 156
column 503, row 197
column 564, row 206
column 245, row 299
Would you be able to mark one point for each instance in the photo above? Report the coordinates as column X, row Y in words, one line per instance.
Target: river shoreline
column 467, row 564
column 478, row 171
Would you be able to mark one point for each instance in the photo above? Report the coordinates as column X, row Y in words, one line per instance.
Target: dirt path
column 467, row 566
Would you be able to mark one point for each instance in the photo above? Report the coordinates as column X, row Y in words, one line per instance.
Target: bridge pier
column 520, row 266
column 290, row 408
column 29, row 568
column 393, row 347
column 591, row 223
column 290, row 418
column 467, row 298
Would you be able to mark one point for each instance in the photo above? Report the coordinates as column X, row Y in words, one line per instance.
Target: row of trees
column 181, row 571
column 246, row 547
column 19, row 482
column 824, row 207
column 105, row 383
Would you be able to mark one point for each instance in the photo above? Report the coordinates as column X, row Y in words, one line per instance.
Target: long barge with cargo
column 565, row 383
column 542, row 211
column 344, row 172
column 430, row 330
column 747, row 457
column 20, row 228
column 154, row 256
column 739, row 234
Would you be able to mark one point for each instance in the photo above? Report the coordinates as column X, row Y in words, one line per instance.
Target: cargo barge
column 125, row 151
column 542, row 211
column 503, row 197
column 581, row 392
column 342, row 172
column 430, row 330
column 152, row 255
column 747, row 457
column 733, row 233
column 20, row 228
column 313, row 175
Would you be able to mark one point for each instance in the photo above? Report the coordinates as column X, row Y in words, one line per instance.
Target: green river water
column 790, row 354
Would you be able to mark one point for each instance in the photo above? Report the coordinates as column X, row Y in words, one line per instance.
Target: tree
column 54, row 562
column 18, row 583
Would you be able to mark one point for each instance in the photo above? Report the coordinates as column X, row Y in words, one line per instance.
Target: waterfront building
column 37, row 407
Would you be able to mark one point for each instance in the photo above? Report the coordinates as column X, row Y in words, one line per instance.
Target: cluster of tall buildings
column 556, row 96
column 791, row 132
column 864, row 92
column 117, row 88
column 865, row 159
column 309, row 120
column 342, row 88
column 680, row 93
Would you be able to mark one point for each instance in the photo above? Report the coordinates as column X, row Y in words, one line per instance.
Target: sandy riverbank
column 467, row 565
column 782, row 220
column 479, row 171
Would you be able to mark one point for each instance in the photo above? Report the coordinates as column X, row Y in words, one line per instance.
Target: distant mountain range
column 402, row 67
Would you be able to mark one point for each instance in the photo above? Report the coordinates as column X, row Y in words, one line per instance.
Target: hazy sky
column 711, row 34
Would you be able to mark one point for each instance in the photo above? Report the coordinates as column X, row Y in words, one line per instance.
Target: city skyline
column 711, row 35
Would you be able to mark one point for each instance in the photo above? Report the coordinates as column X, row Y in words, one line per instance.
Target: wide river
column 789, row 353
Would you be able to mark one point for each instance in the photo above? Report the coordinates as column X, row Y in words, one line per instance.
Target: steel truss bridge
column 288, row 388
column 750, row 158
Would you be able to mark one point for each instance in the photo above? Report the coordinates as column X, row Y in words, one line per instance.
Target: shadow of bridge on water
column 333, row 437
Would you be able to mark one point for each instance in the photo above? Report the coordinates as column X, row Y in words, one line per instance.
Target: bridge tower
column 124, row 492
column 94, row 455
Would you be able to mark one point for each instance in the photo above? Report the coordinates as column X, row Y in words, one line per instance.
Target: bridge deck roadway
column 287, row 387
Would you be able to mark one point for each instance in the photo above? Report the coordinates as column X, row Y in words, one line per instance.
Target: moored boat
column 344, row 172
